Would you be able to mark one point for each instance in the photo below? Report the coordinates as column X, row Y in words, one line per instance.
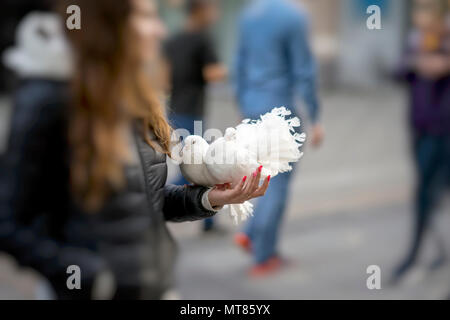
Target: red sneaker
column 243, row 242
column 266, row 268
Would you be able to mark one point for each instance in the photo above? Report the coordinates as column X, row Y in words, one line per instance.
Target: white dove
column 270, row 141
column 195, row 169
column 193, row 166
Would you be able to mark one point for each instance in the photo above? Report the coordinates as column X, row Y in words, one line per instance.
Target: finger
column 255, row 182
column 252, row 185
column 249, row 185
column 261, row 191
column 238, row 189
column 258, row 177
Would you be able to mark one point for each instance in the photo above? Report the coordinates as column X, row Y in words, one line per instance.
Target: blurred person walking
column 274, row 65
column 193, row 64
column 426, row 69
column 84, row 185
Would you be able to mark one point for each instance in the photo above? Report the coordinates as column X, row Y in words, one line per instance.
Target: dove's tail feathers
column 241, row 212
column 274, row 139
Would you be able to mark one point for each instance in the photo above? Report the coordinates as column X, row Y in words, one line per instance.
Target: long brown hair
column 109, row 91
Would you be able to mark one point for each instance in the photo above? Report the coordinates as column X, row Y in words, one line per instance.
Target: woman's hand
column 247, row 189
column 433, row 66
column 317, row 135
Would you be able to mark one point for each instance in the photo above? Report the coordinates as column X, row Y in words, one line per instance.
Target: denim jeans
column 432, row 158
column 263, row 229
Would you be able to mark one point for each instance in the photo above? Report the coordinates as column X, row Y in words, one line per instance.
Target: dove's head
column 230, row 134
column 195, row 147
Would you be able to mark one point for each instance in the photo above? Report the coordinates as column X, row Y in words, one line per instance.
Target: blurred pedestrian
column 427, row 70
column 87, row 162
column 193, row 64
column 274, row 66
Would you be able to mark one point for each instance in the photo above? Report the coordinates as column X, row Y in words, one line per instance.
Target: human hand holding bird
column 235, row 164
column 246, row 190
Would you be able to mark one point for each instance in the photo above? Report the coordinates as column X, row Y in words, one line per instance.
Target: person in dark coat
column 426, row 68
column 193, row 64
column 84, row 183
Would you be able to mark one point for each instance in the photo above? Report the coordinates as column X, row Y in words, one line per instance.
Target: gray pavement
column 327, row 255
column 349, row 209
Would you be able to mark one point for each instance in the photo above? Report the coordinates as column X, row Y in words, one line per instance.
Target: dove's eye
column 193, row 142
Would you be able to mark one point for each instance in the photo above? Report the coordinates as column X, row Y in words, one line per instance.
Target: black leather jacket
column 42, row 228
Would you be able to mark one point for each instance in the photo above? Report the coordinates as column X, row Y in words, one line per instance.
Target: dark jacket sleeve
column 184, row 203
column 28, row 193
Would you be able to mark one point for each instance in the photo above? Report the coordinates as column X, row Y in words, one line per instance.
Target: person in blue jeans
column 274, row 66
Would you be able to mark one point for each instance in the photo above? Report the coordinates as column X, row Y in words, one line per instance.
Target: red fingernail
column 268, row 178
column 245, row 178
column 260, row 168
column 254, row 174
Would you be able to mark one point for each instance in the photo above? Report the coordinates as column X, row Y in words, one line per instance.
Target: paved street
column 328, row 257
column 349, row 209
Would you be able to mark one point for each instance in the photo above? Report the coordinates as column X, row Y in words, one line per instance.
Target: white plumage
column 270, row 141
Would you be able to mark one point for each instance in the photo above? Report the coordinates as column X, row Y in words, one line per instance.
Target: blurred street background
column 350, row 208
column 351, row 200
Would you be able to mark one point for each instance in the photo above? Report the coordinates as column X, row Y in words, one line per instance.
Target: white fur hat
column 41, row 48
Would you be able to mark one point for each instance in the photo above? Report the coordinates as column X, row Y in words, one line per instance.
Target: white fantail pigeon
column 270, row 141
